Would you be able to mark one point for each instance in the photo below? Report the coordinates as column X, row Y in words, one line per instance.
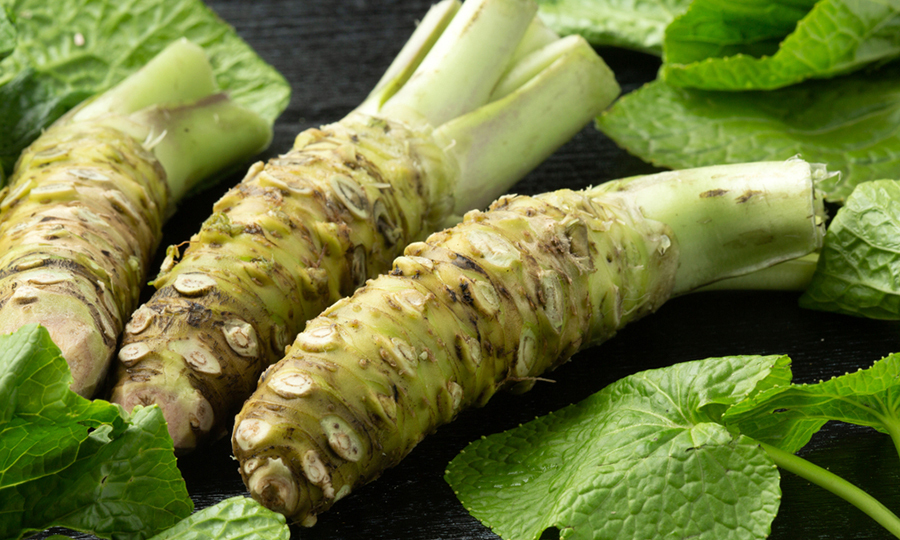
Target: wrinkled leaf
column 714, row 29
column 858, row 271
column 236, row 518
column 849, row 123
column 71, row 462
column 42, row 422
column 788, row 416
column 646, row 457
column 633, row 24
column 70, row 49
column 760, row 44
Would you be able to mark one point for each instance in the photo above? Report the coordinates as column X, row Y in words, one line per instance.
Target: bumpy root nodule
column 294, row 236
column 81, row 218
column 489, row 304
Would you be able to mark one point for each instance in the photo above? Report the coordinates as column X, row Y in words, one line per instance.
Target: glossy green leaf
column 70, row 49
column 760, row 44
column 633, row 24
column 236, row 518
column 646, row 457
column 787, row 416
column 71, row 462
column 858, row 271
column 849, row 123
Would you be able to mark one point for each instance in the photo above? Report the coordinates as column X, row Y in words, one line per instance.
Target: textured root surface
column 294, row 236
column 489, row 304
column 80, row 220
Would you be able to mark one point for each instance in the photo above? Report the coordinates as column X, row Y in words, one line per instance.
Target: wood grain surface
column 332, row 53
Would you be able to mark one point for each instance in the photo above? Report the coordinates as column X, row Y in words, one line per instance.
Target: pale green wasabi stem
column 767, row 195
column 792, row 275
column 173, row 106
column 315, row 223
column 432, row 26
column 537, row 36
column 491, row 304
column 84, row 209
column 456, row 75
column 179, row 74
column 196, row 140
column 837, row 485
column 531, row 63
column 411, row 55
column 543, row 87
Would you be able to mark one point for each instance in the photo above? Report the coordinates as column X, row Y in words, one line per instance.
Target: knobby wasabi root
column 449, row 126
column 495, row 302
column 83, row 211
column 293, row 237
column 80, row 221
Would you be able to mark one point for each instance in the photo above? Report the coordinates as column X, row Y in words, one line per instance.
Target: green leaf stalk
column 837, row 485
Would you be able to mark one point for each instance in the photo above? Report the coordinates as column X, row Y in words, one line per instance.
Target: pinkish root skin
column 185, row 414
column 80, row 342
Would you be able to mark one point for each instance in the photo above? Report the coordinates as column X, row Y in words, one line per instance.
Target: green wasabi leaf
column 68, row 50
column 646, row 457
column 236, row 518
column 633, row 24
column 7, row 34
column 787, row 416
column 714, row 29
column 71, row 462
column 848, row 123
column 42, row 423
column 125, row 486
column 28, row 104
column 759, row 44
column 858, row 267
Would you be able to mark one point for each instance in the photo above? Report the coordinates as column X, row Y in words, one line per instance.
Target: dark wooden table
column 332, row 53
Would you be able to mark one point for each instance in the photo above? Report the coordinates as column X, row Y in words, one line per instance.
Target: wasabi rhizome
column 480, row 95
column 496, row 301
column 82, row 214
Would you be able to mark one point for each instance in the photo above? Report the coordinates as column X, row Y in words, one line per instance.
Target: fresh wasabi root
column 480, row 95
column 76, row 267
column 291, row 238
column 495, row 302
column 83, row 211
